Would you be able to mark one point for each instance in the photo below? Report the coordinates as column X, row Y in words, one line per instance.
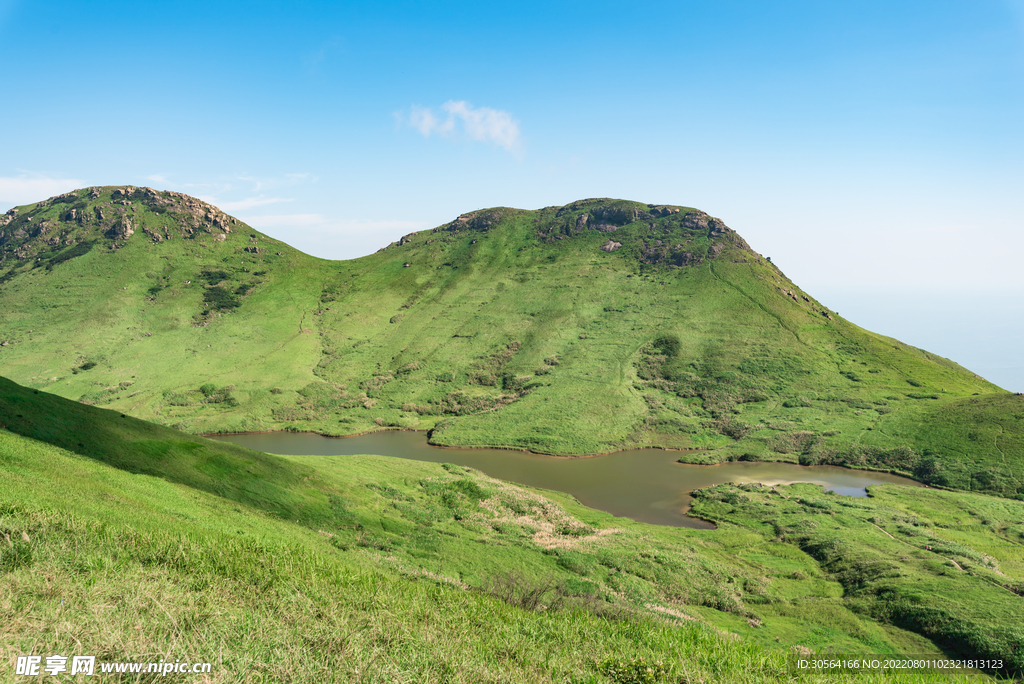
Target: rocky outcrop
column 122, row 229
column 698, row 220
column 663, row 209
column 614, row 217
column 668, row 254
column 114, row 213
column 611, row 246
column 480, row 221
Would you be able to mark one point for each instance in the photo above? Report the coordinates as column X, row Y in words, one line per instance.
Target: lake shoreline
column 461, row 446
column 648, row 485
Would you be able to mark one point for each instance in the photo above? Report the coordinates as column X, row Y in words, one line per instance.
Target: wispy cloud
column 285, row 220
column 33, row 187
column 157, row 178
column 461, row 119
column 288, row 180
column 332, row 238
column 311, row 60
column 326, row 224
column 247, row 203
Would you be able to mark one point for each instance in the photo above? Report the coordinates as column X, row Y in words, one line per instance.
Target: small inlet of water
column 647, row 485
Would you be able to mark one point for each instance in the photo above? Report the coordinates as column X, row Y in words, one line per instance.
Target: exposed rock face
column 123, row 229
column 607, row 215
column 114, row 213
column 481, row 221
column 611, row 218
column 667, row 235
column 666, row 253
column 663, row 209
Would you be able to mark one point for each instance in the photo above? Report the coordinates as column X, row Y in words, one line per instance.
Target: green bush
column 218, row 298
column 633, row 671
column 213, row 277
column 667, row 345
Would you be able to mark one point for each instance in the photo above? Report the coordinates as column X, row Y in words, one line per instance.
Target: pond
column 645, row 484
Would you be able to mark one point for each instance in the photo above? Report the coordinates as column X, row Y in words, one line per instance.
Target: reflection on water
column 646, row 485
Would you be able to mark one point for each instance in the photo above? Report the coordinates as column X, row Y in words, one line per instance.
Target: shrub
column 218, row 298
column 213, row 277
column 633, row 671
column 75, row 251
column 518, row 590
column 796, row 402
column 667, row 345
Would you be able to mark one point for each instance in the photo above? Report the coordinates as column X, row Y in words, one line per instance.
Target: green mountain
column 136, row 542
column 591, row 327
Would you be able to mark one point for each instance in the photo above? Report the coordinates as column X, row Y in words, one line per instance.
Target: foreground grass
column 947, row 566
column 462, row 528
column 142, row 569
column 188, row 543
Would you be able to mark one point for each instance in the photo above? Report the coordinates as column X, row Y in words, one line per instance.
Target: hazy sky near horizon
column 874, row 150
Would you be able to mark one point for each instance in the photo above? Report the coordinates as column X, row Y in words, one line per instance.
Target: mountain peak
column 114, row 213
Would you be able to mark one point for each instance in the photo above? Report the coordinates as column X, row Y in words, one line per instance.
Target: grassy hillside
column 944, row 565
column 596, row 326
column 224, row 551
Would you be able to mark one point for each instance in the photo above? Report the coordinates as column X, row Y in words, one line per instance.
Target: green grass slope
column 592, row 327
column 236, row 548
column 944, row 565
column 143, row 570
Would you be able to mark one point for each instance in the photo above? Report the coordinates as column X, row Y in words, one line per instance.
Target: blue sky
column 873, row 149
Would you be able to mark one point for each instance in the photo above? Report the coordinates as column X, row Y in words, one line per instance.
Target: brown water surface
column 646, row 484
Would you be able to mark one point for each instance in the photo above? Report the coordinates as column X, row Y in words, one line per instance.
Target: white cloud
column 482, row 124
column 287, row 220
column 157, row 178
column 247, row 203
column 28, row 188
column 329, row 238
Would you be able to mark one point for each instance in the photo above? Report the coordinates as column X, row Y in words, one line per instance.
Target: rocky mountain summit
column 108, row 217
column 658, row 234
